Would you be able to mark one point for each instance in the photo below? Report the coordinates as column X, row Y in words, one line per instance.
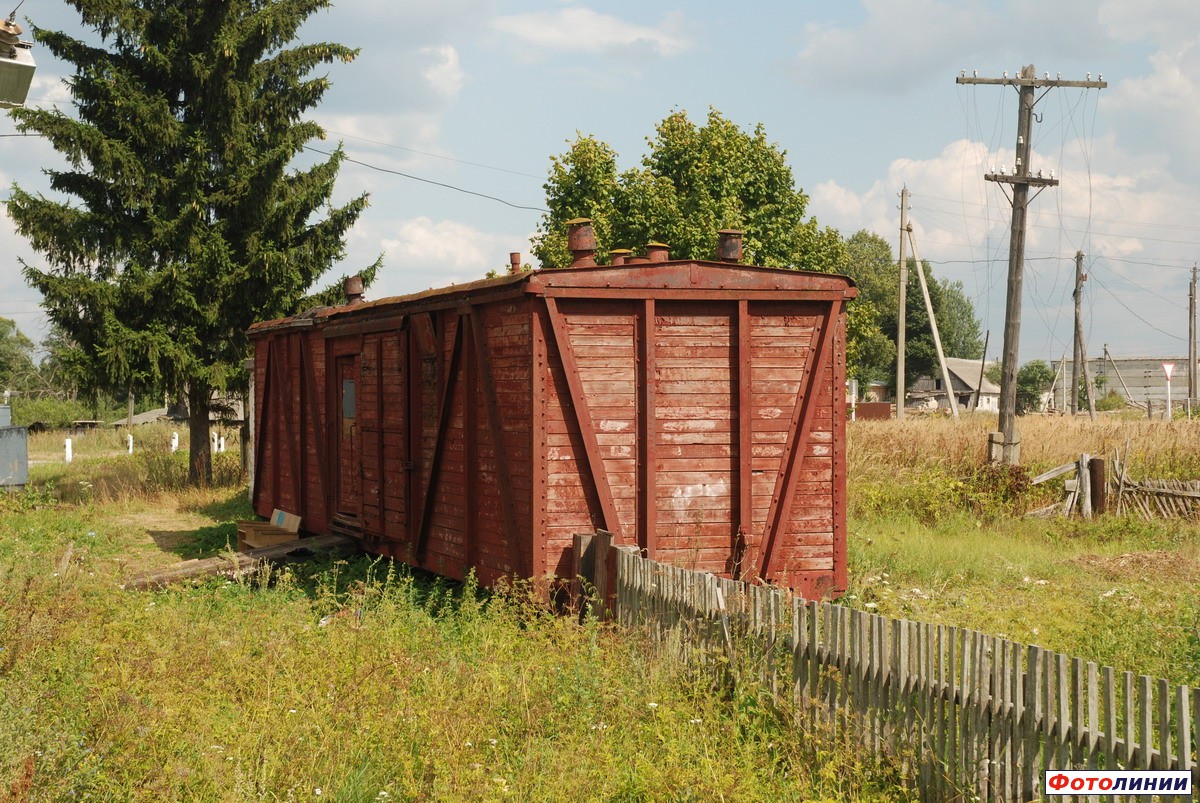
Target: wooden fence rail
column 978, row 715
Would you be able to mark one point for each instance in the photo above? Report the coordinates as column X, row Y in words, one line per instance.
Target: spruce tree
column 182, row 218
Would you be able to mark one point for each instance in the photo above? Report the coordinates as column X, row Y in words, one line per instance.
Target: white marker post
column 221, row 445
column 67, row 445
column 1168, row 367
column 130, row 442
column 174, row 442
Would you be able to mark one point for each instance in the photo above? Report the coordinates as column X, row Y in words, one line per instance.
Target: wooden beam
column 583, row 418
column 1066, row 468
column 471, row 479
column 797, row 439
column 503, row 469
column 647, row 432
column 235, row 564
column 426, row 505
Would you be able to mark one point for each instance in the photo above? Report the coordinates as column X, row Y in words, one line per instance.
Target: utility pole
column 1081, row 344
column 1192, row 340
column 1026, row 83
column 900, row 312
column 937, row 339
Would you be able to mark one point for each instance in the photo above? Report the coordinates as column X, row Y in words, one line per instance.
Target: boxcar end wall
column 692, row 408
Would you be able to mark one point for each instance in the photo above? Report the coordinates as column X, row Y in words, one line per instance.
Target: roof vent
column 581, row 242
column 658, row 252
column 729, row 245
column 353, row 287
column 514, row 262
column 619, row 256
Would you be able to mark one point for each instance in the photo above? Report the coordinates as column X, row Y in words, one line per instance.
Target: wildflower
column 291, row 710
column 492, row 742
column 469, row 744
column 317, row 791
column 652, row 705
column 695, row 721
column 870, row 605
column 1109, row 593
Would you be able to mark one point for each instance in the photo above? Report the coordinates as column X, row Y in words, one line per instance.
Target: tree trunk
column 199, row 448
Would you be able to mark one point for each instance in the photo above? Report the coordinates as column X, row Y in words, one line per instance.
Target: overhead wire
column 429, row 181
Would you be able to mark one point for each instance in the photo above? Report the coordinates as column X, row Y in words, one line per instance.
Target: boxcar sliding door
column 348, row 497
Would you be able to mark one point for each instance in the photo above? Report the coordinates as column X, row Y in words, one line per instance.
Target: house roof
column 968, row 372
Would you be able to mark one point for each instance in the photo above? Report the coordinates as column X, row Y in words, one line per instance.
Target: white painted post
column 221, row 445
column 174, row 442
column 68, row 455
column 1168, row 367
column 130, row 442
column 212, row 439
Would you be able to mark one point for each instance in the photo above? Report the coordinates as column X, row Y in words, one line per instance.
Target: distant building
column 965, row 378
column 1135, row 379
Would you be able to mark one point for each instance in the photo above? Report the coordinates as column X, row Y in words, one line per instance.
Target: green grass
column 356, row 678
column 1120, row 592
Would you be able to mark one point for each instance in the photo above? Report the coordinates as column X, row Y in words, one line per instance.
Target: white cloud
column 581, row 30
column 421, row 252
column 444, row 74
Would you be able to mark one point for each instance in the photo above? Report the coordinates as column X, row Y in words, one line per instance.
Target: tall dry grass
column 1155, row 448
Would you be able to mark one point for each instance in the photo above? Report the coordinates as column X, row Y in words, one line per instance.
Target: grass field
column 369, row 683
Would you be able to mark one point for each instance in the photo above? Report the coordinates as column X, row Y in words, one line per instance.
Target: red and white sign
column 1168, row 367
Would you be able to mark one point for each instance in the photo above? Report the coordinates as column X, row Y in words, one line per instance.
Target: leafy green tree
column 695, row 180
column 16, row 356
column 184, row 219
column 1032, row 380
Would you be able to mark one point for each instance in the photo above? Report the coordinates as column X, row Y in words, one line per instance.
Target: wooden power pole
column 901, row 334
column 1081, row 345
column 1005, row 445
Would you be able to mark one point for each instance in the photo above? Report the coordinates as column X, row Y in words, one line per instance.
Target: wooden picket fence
column 978, row 716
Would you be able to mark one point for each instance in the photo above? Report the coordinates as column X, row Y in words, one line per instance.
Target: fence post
column 1096, row 472
column 606, row 571
column 583, row 567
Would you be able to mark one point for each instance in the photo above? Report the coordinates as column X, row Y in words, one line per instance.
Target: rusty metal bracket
column 495, row 425
column 583, row 419
column 439, row 448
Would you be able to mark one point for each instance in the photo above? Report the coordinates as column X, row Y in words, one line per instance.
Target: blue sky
column 479, row 94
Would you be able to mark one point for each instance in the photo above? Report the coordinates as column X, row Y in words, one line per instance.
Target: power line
column 430, row 181
column 435, row 155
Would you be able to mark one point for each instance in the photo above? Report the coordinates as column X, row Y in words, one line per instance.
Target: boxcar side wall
column 413, row 431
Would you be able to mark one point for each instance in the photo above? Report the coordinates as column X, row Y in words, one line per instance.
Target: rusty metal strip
column 840, row 570
column 690, row 294
column 798, row 433
column 439, row 443
column 264, row 420
column 647, row 431
column 745, row 518
column 471, row 479
column 583, row 418
column 495, row 424
column 540, row 382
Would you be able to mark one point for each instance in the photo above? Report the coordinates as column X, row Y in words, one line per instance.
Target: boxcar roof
column 608, row 280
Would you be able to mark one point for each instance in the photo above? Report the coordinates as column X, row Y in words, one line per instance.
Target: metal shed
column 693, row 408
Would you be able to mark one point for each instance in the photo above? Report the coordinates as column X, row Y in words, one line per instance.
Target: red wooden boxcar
column 696, row 409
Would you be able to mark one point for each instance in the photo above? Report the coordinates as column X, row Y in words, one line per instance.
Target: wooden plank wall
column 663, row 384
column 696, row 443
column 969, row 715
